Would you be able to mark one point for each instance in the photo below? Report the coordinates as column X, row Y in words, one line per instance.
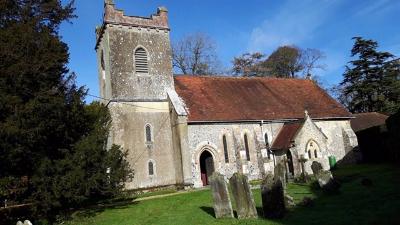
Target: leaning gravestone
column 222, row 202
column 272, row 196
column 316, row 167
column 245, row 206
column 327, row 182
column 280, row 172
column 325, row 178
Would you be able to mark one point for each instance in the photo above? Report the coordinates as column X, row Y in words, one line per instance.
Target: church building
column 178, row 129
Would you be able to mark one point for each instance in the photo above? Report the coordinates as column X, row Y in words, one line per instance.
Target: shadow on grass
column 366, row 196
column 208, row 210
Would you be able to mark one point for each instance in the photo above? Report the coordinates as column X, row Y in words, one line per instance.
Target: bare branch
column 195, row 54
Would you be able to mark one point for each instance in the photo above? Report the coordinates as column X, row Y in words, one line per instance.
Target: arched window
column 151, row 168
column 267, row 145
column 141, row 65
column 246, row 146
column 148, row 133
column 225, row 149
column 312, row 149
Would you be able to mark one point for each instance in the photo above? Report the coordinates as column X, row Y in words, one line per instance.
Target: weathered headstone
column 325, row 178
column 316, row 167
column 289, row 201
column 280, row 172
column 327, row 182
column 272, row 196
column 222, row 202
column 245, row 206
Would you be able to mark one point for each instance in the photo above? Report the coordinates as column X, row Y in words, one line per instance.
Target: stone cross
column 273, row 197
column 245, row 205
column 222, row 202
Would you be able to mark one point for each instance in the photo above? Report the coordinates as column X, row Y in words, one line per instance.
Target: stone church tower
column 135, row 74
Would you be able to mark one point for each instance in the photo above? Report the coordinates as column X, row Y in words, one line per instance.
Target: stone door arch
column 207, row 166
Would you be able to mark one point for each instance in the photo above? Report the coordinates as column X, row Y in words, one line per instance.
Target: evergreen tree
column 371, row 81
column 89, row 171
column 47, row 134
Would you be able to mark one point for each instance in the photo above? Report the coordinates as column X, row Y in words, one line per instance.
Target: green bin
column 332, row 161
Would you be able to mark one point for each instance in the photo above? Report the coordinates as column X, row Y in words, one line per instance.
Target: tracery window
column 312, row 150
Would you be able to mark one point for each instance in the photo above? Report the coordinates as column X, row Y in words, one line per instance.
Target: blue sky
column 248, row 26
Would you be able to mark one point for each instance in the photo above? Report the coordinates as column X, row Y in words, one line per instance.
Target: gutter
column 268, row 121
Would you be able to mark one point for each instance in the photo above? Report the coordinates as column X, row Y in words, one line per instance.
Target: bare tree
column 311, row 60
column 195, row 54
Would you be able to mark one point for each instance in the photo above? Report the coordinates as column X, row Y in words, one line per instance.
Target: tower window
column 141, row 64
column 246, row 146
column 151, row 168
column 225, row 149
column 148, row 133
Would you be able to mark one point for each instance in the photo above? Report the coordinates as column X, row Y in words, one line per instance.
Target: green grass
column 356, row 204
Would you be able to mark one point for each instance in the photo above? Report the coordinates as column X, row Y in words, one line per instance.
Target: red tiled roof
column 363, row 121
column 232, row 98
column 286, row 136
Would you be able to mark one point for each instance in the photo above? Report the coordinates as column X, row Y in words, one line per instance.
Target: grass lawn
column 356, row 204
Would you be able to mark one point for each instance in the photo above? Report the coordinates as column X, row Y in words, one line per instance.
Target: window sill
column 142, row 74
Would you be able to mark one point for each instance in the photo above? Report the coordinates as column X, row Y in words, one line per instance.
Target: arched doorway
column 290, row 167
column 206, row 166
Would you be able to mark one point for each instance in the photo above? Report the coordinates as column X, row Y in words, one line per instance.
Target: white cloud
column 377, row 6
column 295, row 22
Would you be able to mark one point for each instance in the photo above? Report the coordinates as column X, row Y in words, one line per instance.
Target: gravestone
column 245, row 206
column 19, row 223
column 280, row 172
column 27, row 222
column 273, row 197
column 316, row 167
column 222, row 202
column 289, row 201
column 325, row 178
column 327, row 182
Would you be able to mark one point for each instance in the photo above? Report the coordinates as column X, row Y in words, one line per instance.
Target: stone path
column 170, row 194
